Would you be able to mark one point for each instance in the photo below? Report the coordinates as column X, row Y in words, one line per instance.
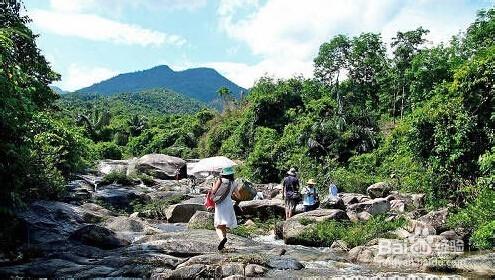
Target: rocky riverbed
column 110, row 230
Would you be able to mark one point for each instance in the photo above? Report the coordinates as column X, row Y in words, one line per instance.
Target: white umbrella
column 212, row 165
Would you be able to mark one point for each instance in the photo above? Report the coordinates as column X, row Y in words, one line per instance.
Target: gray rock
column 187, row 272
column 124, row 224
column 50, row 221
column 191, row 243
column 418, row 228
column 339, row 245
column 98, row 236
column 230, row 269
column 160, row 166
column 235, row 277
column 482, row 264
column 437, row 219
column 418, row 200
column 263, row 208
column 284, row 263
column 120, row 197
column 108, row 166
column 182, row 212
column 254, row 270
column 397, row 205
column 352, row 198
column 450, row 235
column 332, row 202
column 378, row 190
column 374, row 207
column 201, row 220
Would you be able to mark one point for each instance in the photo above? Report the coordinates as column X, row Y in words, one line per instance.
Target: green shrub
column 478, row 216
column 484, row 236
column 157, row 208
column 260, row 227
column 117, row 177
column 108, row 150
column 354, row 234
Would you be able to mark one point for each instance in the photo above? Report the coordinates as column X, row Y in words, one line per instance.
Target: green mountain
column 58, row 90
column 146, row 102
column 199, row 83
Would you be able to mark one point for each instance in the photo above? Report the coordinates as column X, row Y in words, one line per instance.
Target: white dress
column 224, row 211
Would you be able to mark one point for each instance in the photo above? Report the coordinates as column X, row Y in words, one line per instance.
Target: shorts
column 290, row 204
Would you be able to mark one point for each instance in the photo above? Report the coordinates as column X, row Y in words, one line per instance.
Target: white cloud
column 113, row 5
column 286, row 34
column 96, row 28
column 79, row 76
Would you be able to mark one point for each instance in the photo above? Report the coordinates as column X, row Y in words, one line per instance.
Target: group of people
column 292, row 196
column 221, row 194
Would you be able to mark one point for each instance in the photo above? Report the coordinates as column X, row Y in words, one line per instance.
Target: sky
column 88, row 41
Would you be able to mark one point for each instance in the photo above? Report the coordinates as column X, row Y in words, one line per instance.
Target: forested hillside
column 420, row 117
column 149, row 102
column 199, row 83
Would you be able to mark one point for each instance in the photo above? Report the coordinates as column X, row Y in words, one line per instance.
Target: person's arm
column 305, row 191
column 216, row 185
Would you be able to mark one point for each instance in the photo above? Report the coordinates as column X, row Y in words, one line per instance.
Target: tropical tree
column 405, row 46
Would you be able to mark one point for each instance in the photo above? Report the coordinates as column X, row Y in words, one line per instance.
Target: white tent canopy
column 210, row 165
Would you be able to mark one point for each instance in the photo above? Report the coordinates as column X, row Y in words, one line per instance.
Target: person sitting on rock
column 310, row 196
column 290, row 192
column 224, row 208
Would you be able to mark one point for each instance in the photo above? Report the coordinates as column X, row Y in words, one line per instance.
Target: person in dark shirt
column 290, row 192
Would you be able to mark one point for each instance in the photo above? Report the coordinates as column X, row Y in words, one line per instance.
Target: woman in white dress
column 224, row 209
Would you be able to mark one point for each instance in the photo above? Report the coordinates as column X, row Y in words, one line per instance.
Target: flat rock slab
column 263, row 208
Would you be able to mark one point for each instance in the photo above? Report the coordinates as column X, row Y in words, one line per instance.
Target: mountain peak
column 164, row 68
column 200, row 83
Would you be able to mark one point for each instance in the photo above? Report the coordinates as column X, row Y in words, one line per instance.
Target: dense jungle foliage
column 420, row 117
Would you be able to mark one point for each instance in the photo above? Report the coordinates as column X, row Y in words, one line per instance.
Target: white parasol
column 211, row 165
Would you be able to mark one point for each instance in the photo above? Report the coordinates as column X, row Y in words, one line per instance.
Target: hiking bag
column 209, row 203
column 222, row 192
column 244, row 191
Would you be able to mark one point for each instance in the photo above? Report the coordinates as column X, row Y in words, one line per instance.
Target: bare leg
column 221, row 231
column 222, row 234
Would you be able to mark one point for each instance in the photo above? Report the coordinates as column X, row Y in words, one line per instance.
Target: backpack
column 222, row 192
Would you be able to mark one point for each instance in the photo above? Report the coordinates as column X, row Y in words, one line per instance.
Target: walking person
column 224, row 209
column 310, row 196
column 290, row 192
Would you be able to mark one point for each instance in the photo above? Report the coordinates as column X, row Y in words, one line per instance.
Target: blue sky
column 91, row 40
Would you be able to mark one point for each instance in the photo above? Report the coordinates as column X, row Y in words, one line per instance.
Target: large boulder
column 263, row 208
column 129, row 226
column 284, row 263
column 419, row 228
column 193, row 243
column 352, row 198
column 161, row 166
column 295, row 227
column 108, row 166
column 378, row 190
column 182, row 212
column 437, row 219
column 97, row 236
column 201, row 220
column 333, row 202
column 374, row 207
column 120, row 197
column 50, row 221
